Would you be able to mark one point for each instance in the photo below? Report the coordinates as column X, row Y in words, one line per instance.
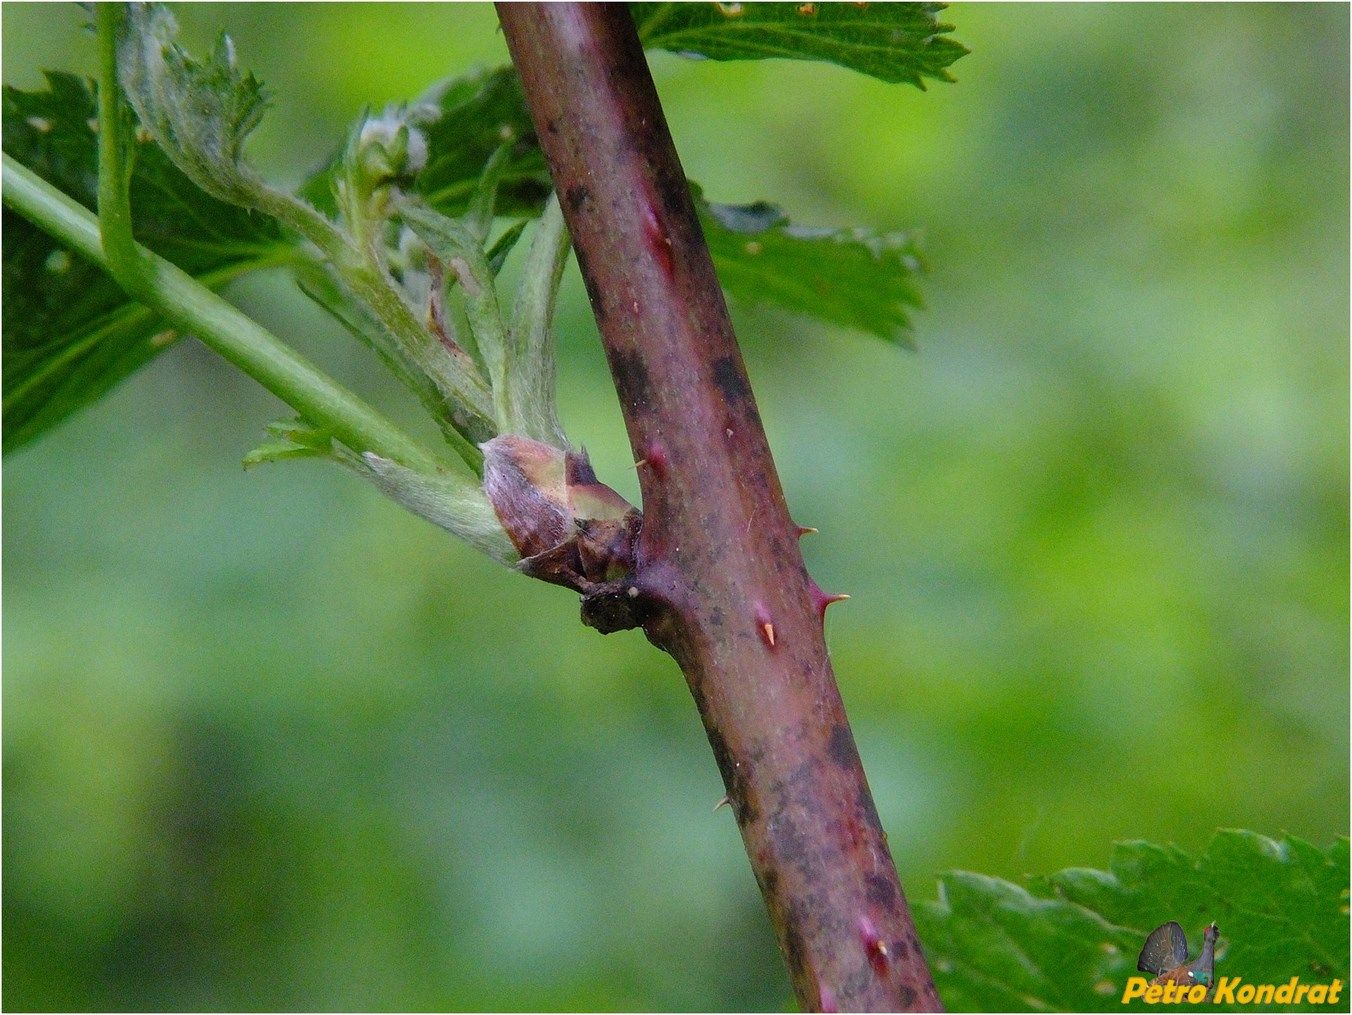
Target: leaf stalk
column 192, row 307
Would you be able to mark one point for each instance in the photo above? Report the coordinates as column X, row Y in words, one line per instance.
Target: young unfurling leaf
column 201, row 113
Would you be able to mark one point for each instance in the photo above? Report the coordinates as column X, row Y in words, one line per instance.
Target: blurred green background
column 271, row 743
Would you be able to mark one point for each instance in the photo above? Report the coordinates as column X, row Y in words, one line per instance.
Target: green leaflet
column 856, row 278
column 1070, row 940
column 70, row 332
column 891, row 41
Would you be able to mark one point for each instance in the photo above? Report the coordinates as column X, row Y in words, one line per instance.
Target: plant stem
column 190, row 306
column 718, row 560
column 125, row 263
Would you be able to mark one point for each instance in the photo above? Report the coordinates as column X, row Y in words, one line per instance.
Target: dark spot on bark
column 901, row 948
column 794, row 845
column 800, row 783
column 841, row 747
column 793, row 947
column 732, row 382
column 882, row 891
column 674, row 192
column 551, row 126
column 631, row 377
column 578, row 196
column 609, row 608
column 907, row 996
column 864, row 803
column 770, row 883
column 728, row 376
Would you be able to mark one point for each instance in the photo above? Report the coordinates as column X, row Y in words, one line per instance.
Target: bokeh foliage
column 271, row 743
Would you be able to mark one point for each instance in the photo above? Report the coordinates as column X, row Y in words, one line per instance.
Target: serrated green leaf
column 1274, row 899
column 891, row 41
column 1070, row 941
column 479, row 112
column 995, row 947
column 70, row 333
column 856, row 278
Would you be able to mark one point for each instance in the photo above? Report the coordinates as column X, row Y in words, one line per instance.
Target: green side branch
column 191, row 306
column 125, row 263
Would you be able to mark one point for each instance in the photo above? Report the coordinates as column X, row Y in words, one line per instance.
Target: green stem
column 134, row 319
column 191, row 306
column 125, row 263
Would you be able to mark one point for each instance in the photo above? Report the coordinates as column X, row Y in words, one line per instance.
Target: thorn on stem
column 820, row 600
column 874, row 946
column 806, row 530
column 654, row 460
column 765, row 625
column 723, row 801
